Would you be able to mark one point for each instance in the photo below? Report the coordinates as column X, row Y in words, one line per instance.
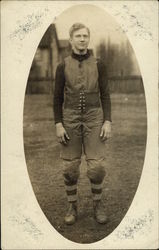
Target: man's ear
column 70, row 40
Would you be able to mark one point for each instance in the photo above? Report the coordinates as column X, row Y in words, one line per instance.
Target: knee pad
column 96, row 170
column 71, row 170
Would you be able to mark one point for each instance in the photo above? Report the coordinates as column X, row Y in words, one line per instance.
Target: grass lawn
column 125, row 153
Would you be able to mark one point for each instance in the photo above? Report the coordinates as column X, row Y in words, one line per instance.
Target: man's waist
column 82, row 100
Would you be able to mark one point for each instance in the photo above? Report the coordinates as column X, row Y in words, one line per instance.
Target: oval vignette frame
column 42, row 149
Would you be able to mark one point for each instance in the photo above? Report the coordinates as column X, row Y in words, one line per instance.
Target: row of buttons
column 82, row 101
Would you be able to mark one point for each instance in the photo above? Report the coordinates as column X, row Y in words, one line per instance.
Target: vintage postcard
column 79, row 124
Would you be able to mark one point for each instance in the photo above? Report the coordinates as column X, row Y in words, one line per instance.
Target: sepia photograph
column 79, row 125
column 85, row 124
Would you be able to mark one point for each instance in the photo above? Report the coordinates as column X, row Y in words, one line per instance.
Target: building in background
column 50, row 52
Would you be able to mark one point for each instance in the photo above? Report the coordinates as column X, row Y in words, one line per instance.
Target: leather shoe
column 71, row 215
column 99, row 212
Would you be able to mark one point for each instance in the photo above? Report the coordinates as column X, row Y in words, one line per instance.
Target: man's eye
column 79, row 36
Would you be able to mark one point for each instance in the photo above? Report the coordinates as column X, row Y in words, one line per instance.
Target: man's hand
column 61, row 133
column 105, row 131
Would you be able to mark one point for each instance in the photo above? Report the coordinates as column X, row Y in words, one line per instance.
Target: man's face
column 80, row 40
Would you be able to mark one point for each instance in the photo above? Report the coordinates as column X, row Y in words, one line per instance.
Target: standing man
column 82, row 112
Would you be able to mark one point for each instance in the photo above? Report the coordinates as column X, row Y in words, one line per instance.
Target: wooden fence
column 125, row 84
column 40, row 86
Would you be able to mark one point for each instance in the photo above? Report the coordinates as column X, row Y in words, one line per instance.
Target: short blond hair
column 77, row 26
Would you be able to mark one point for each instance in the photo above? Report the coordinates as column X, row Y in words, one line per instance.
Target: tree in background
column 117, row 58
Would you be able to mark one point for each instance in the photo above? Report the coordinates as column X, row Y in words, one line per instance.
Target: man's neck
column 80, row 52
column 80, row 57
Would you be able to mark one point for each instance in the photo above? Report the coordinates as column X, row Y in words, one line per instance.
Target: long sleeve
column 59, row 93
column 104, row 91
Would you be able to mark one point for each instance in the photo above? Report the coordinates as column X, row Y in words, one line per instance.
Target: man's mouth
column 82, row 44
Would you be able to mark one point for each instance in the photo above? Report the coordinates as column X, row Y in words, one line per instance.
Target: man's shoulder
column 96, row 59
column 60, row 66
column 66, row 60
column 99, row 61
column 101, row 65
column 92, row 59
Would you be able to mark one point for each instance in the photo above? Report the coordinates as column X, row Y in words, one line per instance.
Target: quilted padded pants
column 84, row 130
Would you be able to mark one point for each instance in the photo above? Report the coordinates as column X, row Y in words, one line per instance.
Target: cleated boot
column 71, row 215
column 99, row 212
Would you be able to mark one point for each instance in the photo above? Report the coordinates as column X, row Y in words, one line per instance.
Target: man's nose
column 82, row 38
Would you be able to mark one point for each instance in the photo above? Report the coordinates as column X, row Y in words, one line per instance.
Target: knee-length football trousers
column 84, row 130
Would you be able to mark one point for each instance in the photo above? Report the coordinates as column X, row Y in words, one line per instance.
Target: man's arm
column 105, row 100
column 59, row 93
column 104, row 91
column 58, row 102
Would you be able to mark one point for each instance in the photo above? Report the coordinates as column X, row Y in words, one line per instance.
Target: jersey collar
column 80, row 58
